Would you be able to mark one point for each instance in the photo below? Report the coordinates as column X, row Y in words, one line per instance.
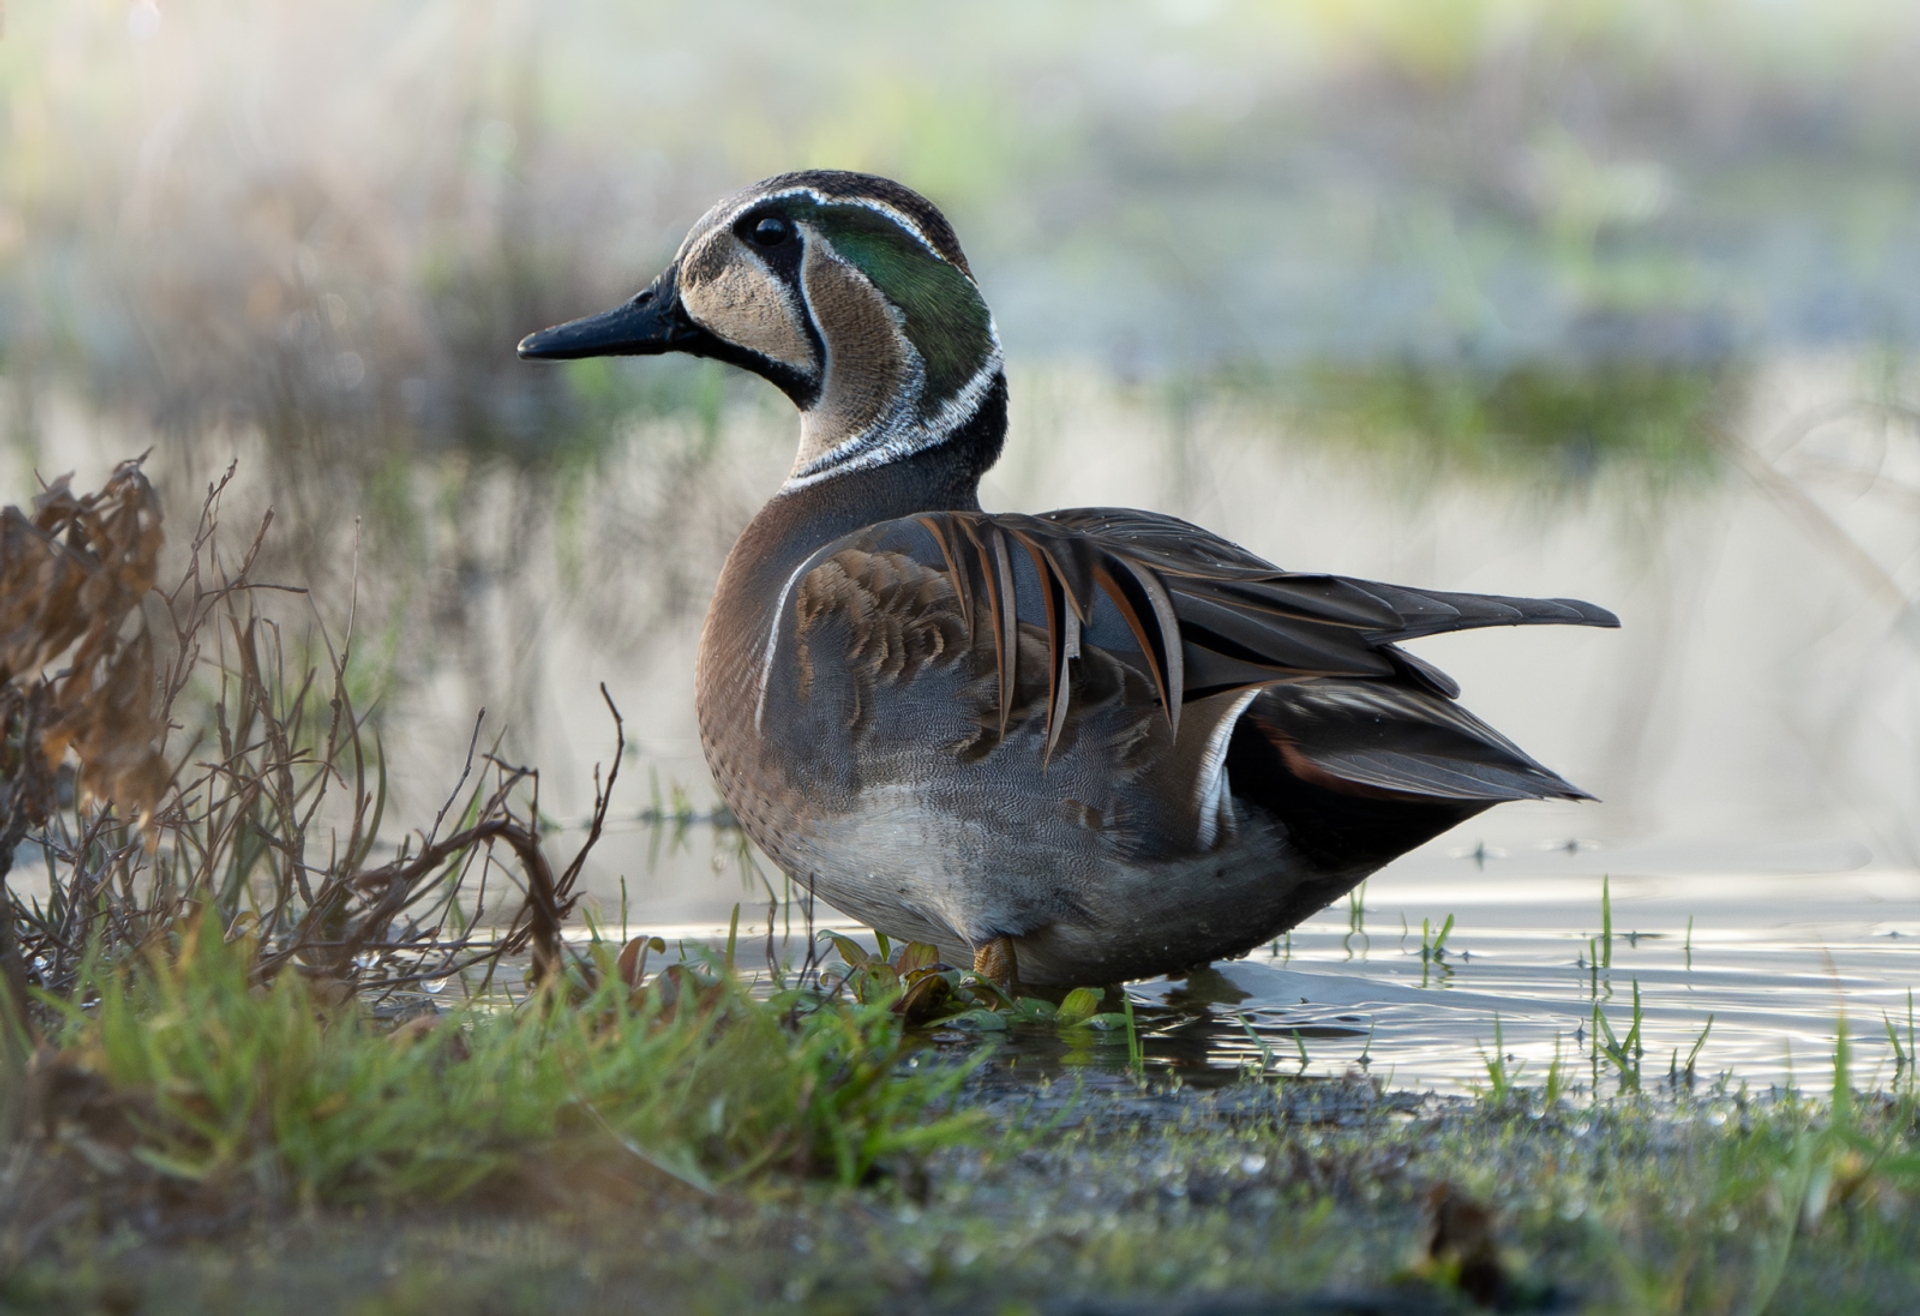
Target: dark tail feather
column 1359, row 772
column 1431, row 612
column 1367, row 737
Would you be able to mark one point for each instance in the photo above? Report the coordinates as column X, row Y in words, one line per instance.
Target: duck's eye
column 771, row 231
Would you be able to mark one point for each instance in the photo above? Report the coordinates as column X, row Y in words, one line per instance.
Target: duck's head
column 849, row 292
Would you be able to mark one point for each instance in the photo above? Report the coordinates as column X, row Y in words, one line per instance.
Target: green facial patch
column 946, row 319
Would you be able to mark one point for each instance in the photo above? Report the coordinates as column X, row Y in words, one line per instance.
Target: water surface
column 1765, row 950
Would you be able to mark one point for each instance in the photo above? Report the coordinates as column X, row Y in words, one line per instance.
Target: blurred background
column 1616, row 300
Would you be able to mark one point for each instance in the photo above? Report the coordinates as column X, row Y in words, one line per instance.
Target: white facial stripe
column 898, row 436
column 899, row 217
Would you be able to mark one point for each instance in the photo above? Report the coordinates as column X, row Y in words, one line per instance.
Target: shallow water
column 1775, row 944
column 1775, row 960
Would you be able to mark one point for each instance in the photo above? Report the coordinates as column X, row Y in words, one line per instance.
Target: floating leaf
column 1031, row 1009
column 1081, row 1004
column 928, row 996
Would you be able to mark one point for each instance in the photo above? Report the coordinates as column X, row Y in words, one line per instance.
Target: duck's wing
column 1235, row 608
column 1044, row 603
column 1203, row 615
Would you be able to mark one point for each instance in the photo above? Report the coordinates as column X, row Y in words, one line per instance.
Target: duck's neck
column 797, row 522
column 943, row 476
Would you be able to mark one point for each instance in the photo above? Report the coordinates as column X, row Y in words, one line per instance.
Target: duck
column 1081, row 747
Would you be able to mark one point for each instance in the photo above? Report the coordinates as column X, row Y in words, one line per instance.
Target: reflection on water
column 1746, row 972
column 1778, row 962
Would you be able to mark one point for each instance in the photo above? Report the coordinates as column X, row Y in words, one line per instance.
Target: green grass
column 197, row 1077
column 1624, row 1053
column 1433, row 948
column 1722, row 1204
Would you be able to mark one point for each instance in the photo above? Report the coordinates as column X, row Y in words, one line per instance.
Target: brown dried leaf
column 632, row 966
column 76, row 661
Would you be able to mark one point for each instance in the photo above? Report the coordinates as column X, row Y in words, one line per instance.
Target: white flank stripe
column 1213, row 792
column 773, row 642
